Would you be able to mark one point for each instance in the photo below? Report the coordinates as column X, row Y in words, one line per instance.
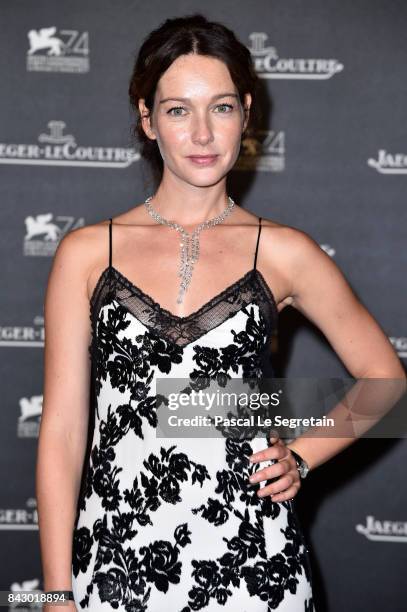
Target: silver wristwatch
column 302, row 465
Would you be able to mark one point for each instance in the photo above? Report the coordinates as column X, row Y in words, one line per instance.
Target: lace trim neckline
column 183, row 319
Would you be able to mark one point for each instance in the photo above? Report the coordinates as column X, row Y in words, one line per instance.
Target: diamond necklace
column 189, row 243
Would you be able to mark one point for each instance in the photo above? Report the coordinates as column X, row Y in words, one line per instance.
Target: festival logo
column 52, row 50
column 43, row 232
column 264, row 151
column 28, row 425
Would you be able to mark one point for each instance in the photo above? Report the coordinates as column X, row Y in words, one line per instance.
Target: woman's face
column 197, row 112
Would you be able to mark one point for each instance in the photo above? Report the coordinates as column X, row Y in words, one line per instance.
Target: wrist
column 302, row 465
column 295, row 445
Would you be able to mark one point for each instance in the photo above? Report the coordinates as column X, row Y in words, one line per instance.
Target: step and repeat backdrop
column 330, row 158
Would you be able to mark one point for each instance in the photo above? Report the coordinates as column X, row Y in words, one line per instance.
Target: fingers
column 289, row 493
column 281, row 486
column 270, row 471
column 277, row 451
column 288, row 485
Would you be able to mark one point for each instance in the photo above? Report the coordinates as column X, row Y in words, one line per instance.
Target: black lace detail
column 250, row 288
column 120, row 497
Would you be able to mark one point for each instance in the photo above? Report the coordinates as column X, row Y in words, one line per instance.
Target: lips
column 203, row 160
column 203, row 157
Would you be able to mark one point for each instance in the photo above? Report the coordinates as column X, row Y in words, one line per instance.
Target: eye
column 169, row 112
column 230, row 106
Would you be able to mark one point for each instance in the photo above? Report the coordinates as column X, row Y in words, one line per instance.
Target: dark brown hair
column 180, row 36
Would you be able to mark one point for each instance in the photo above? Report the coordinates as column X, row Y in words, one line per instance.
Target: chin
column 219, row 170
column 206, row 181
column 200, row 176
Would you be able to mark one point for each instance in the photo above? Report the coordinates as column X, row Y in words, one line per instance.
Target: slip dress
column 172, row 523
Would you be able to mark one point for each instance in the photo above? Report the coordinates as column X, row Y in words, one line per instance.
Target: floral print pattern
column 159, row 522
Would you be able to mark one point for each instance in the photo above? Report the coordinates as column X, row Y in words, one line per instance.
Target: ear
column 146, row 119
column 246, row 110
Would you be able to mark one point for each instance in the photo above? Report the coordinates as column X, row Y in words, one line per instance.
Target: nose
column 202, row 131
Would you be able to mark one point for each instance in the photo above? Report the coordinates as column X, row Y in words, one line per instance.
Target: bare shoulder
column 291, row 243
column 287, row 236
column 90, row 242
column 83, row 243
column 309, row 271
column 283, row 251
column 82, row 254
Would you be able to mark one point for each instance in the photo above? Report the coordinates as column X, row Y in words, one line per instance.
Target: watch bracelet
column 298, row 459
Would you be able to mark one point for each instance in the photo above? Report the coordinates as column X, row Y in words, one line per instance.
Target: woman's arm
column 321, row 292
column 64, row 422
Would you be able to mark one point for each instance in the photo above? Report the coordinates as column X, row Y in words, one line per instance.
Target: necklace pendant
column 189, row 242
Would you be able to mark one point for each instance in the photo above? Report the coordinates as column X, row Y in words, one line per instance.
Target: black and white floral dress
column 173, row 524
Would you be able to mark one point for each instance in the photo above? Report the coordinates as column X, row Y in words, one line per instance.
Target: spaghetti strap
column 257, row 245
column 110, row 242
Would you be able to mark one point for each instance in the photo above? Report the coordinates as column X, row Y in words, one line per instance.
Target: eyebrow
column 215, row 97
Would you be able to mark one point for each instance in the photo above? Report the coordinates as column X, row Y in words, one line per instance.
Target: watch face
column 302, row 466
column 303, row 470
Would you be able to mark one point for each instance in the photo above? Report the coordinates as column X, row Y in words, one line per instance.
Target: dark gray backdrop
column 331, row 159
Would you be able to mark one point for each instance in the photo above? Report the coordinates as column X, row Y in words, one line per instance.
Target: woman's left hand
column 289, row 484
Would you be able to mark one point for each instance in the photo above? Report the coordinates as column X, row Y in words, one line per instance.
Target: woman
column 175, row 523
